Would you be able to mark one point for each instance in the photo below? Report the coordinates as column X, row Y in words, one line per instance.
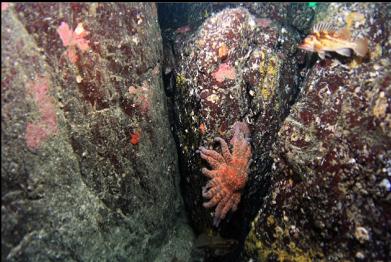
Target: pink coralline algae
column 142, row 97
column 229, row 172
column 46, row 125
column 74, row 39
column 4, row 6
column 263, row 22
column 224, row 71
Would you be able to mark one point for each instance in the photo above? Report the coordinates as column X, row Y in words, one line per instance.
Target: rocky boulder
column 234, row 67
column 89, row 166
column 330, row 189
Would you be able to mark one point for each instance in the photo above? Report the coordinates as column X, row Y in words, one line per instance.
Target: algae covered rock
column 89, row 167
column 330, row 190
column 209, row 96
column 232, row 68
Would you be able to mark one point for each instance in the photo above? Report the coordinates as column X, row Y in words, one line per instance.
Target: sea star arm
column 210, row 173
column 210, row 190
column 228, row 205
column 241, row 145
column 214, row 192
column 249, row 162
column 208, row 186
column 216, row 221
column 236, row 201
column 224, row 149
column 214, row 200
column 213, row 158
column 219, row 209
column 230, row 202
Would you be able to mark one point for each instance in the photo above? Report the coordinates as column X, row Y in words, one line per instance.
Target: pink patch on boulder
column 4, row 6
column 183, row 29
column 41, row 129
column 132, row 90
column 263, row 22
column 142, row 96
column 34, row 135
column 224, row 71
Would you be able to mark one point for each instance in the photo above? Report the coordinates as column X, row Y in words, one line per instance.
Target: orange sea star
column 229, row 172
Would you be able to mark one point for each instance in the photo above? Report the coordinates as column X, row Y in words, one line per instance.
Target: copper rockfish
column 324, row 38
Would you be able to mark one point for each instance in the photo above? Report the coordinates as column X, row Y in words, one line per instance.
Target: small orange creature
column 324, row 38
column 223, row 51
column 202, row 129
column 229, row 172
column 134, row 138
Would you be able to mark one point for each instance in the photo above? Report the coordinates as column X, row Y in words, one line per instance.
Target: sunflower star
column 229, row 172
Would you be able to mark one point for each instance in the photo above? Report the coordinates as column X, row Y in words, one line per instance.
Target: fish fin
column 323, row 27
column 344, row 51
column 316, row 27
column 343, row 33
column 322, row 55
column 361, row 47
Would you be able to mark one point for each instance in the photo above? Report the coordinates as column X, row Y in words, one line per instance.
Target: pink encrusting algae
column 183, row 29
column 40, row 130
column 225, row 71
column 142, row 97
column 4, row 6
column 263, row 22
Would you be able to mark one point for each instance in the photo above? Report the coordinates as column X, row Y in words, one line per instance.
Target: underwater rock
column 183, row 16
column 329, row 197
column 231, row 69
column 298, row 15
column 79, row 81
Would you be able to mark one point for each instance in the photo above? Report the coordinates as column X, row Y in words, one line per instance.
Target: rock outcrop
column 234, row 67
column 330, row 189
column 89, row 166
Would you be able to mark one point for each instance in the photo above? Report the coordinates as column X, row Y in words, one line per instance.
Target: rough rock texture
column 298, row 15
column 231, row 69
column 176, row 15
column 330, row 194
column 89, row 168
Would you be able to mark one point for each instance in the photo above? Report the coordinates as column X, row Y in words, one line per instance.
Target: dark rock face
column 89, row 168
column 298, row 15
column 233, row 68
column 330, row 194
